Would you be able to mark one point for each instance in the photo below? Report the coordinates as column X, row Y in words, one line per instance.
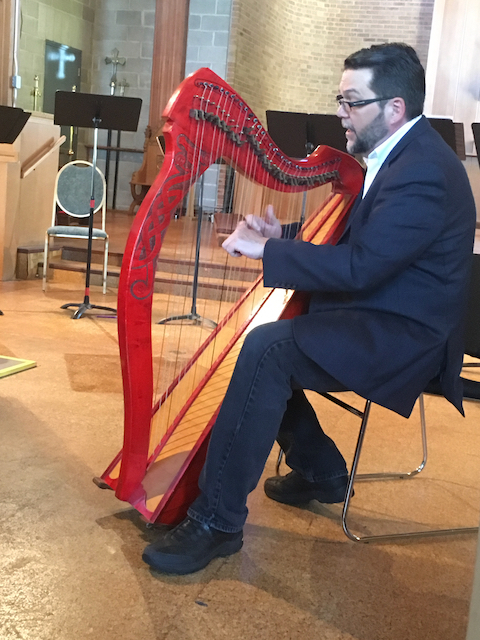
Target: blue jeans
column 265, row 401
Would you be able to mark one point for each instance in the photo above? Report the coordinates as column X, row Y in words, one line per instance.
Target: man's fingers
column 254, row 222
column 245, row 242
column 231, row 250
column 270, row 214
column 230, row 245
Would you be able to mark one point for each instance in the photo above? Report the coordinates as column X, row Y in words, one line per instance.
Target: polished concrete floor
column 70, row 554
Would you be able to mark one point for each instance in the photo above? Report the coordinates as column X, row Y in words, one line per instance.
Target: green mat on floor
column 9, row 365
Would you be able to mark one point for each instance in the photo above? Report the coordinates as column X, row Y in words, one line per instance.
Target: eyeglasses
column 347, row 104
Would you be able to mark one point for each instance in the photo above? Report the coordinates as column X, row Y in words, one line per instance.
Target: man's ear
column 396, row 111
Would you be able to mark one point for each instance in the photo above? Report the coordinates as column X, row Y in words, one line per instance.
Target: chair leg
column 45, row 261
column 361, row 414
column 356, row 477
column 105, row 267
column 353, row 476
column 392, row 475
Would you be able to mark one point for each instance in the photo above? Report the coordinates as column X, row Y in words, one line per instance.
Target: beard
column 368, row 139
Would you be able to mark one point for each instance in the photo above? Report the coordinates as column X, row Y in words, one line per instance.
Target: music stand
column 12, row 121
column 90, row 110
column 289, row 131
column 452, row 132
column 193, row 315
column 326, row 128
column 298, row 134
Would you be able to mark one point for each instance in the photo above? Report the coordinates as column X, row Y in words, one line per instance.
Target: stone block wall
column 126, row 26
column 208, row 35
column 207, row 46
column 96, row 27
column 68, row 22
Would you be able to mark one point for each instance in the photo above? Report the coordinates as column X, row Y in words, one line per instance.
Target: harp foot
column 101, row 484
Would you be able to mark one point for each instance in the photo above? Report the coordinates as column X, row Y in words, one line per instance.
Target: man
column 385, row 315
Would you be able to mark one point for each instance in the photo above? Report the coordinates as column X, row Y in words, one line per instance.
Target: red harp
column 165, row 437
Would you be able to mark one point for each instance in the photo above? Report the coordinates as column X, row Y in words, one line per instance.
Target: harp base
column 101, row 484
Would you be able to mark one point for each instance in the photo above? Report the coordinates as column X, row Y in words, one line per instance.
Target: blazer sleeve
column 407, row 214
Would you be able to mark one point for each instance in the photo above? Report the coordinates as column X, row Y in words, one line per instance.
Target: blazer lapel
column 418, row 128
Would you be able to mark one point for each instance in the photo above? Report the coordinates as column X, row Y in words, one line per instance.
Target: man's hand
column 251, row 234
column 245, row 241
column 268, row 227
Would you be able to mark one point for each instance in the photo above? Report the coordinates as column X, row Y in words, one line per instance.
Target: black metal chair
column 471, row 392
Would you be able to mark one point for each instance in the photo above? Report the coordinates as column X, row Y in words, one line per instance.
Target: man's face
column 366, row 126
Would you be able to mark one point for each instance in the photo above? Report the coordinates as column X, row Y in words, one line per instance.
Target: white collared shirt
column 378, row 156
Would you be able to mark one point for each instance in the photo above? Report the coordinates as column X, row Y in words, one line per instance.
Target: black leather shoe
column 295, row 490
column 189, row 547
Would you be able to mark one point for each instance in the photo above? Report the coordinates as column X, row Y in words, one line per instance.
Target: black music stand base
column 194, row 317
column 85, row 306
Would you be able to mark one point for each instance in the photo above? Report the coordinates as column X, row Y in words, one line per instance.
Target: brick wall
column 289, row 55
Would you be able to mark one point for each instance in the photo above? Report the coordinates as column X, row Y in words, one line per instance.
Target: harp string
column 185, row 437
column 238, row 266
column 217, row 149
column 185, row 433
column 223, row 109
column 245, row 139
column 171, row 334
column 292, row 205
column 198, row 144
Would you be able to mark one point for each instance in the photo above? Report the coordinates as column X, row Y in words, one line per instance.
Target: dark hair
column 397, row 72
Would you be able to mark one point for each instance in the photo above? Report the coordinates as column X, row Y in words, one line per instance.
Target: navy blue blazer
column 388, row 301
